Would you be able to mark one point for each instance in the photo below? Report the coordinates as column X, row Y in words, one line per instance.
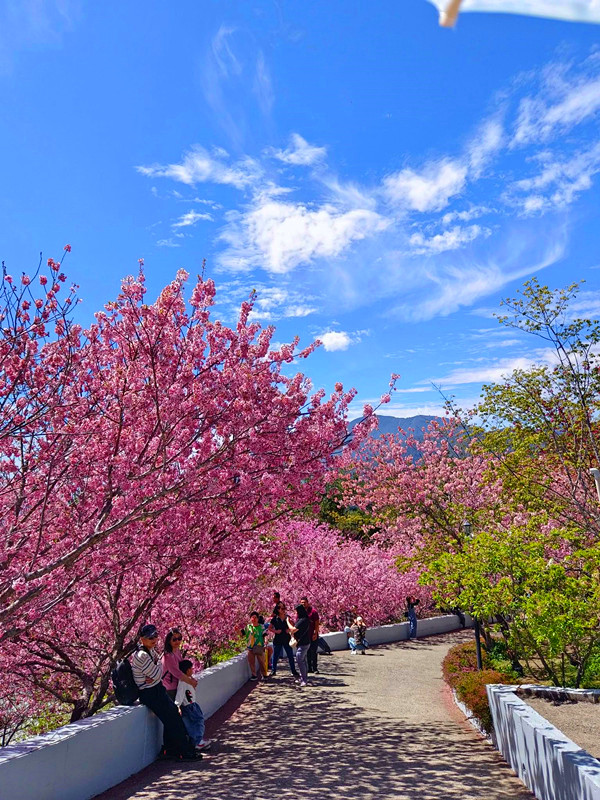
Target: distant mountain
column 387, row 424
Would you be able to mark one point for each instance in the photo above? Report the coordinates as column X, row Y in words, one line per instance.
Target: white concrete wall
column 83, row 759
column 547, row 762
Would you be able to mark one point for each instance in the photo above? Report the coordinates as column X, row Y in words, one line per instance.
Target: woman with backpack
column 147, row 673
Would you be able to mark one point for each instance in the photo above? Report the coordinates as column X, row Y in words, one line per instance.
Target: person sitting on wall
column 147, row 673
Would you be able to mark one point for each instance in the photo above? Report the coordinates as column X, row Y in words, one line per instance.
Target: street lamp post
column 468, row 531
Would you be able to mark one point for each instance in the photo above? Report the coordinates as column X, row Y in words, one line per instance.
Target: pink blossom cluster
column 148, row 466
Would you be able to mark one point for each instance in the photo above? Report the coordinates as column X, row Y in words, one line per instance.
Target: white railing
column 81, row 760
column 547, row 762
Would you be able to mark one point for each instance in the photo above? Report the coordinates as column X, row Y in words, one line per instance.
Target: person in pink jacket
column 171, row 674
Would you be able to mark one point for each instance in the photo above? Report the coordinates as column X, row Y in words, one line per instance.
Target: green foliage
column 533, row 561
column 224, row 652
column 352, row 522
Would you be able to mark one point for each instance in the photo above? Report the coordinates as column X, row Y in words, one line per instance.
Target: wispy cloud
column 263, row 86
column 462, row 284
column 452, row 239
column 34, row 22
column 561, row 104
column 300, row 152
column 493, row 371
column 200, row 166
column 559, row 183
column 271, row 302
column 415, row 235
column 191, row 218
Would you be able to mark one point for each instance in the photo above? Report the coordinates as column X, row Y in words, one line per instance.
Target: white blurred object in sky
column 573, row 10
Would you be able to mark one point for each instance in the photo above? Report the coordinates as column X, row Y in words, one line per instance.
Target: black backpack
column 126, row 690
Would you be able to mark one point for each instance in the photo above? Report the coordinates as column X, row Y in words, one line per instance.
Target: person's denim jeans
column 412, row 624
column 301, row 661
column 175, row 738
column 311, row 656
column 277, row 651
column 354, row 646
column 193, row 719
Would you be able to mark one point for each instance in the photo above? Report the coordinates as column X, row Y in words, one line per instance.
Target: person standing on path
column 411, row 614
column 256, row 646
column 301, row 630
column 280, row 627
column 276, row 601
column 313, row 619
column 171, row 674
column 147, row 672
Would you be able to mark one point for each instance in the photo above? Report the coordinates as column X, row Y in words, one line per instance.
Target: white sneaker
column 204, row 744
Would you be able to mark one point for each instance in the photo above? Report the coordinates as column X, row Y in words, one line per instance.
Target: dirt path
column 380, row 726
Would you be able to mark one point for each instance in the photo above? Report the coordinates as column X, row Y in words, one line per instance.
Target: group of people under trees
column 303, row 634
column 168, row 688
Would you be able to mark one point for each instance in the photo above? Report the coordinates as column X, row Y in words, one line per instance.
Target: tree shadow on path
column 327, row 741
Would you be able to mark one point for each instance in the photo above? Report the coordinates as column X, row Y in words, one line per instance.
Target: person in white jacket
column 191, row 713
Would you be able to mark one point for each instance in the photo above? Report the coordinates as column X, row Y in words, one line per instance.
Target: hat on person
column 149, row 631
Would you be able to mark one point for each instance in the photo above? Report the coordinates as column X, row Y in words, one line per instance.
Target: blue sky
column 380, row 181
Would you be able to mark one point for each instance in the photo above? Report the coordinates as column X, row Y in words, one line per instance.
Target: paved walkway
column 379, row 726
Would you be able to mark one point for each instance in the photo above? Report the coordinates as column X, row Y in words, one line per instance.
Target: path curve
column 379, row 726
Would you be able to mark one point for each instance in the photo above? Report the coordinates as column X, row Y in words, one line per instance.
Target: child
column 191, row 713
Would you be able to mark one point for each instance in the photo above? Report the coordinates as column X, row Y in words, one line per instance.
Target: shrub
column 461, row 659
column 470, row 689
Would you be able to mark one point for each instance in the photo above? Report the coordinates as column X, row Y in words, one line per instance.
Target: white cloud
column 413, row 390
column 271, row 302
column 465, row 216
column 299, row 311
column 561, row 105
column 280, row 236
column 190, row 218
column 429, row 190
column 494, row 371
column 488, row 141
column 300, row 152
column 335, row 340
column 461, row 284
column 199, row 166
column 452, row 239
column 559, row 183
column 168, row 243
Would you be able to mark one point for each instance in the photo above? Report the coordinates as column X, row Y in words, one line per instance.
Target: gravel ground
column 579, row 721
column 377, row 726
